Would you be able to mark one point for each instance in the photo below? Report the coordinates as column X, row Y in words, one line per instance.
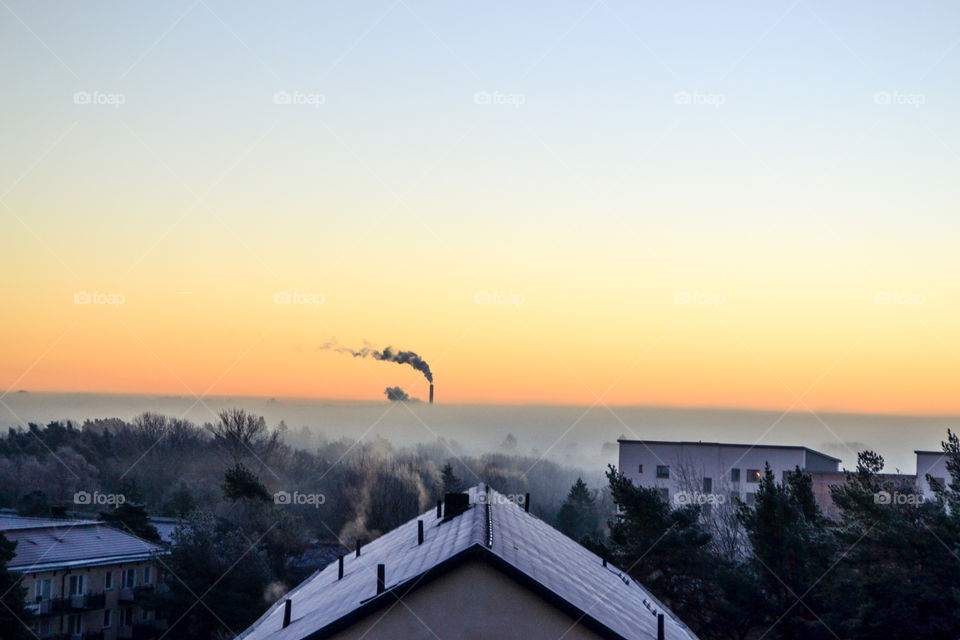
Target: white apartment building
column 933, row 463
column 697, row 471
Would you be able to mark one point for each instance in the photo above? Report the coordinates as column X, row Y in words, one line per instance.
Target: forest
column 777, row 569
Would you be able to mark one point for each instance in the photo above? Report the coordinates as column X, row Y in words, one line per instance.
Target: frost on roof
column 532, row 547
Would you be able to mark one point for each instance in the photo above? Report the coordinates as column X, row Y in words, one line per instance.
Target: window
column 74, row 624
column 107, row 617
column 751, row 499
column 753, row 475
column 146, row 575
column 708, row 485
column 108, row 580
column 43, row 589
column 663, row 471
column 76, row 585
column 734, row 475
column 640, row 468
column 126, row 616
column 734, row 497
column 129, row 578
column 707, row 510
column 664, row 494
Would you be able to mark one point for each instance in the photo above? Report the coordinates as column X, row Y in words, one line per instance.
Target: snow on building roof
column 700, row 443
column 10, row 522
column 47, row 544
column 495, row 530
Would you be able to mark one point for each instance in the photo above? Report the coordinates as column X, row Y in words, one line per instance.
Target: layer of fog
column 574, row 436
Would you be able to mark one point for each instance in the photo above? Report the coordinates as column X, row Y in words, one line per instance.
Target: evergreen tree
column 792, row 553
column 578, row 517
column 13, row 612
column 132, row 518
column 240, row 483
column 451, row 483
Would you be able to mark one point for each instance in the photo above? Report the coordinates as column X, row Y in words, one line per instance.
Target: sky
column 693, row 204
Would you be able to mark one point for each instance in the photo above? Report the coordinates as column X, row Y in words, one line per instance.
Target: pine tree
column 578, row 517
column 13, row 612
column 451, row 483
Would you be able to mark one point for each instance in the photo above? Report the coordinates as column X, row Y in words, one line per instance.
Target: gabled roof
column 47, row 545
column 493, row 530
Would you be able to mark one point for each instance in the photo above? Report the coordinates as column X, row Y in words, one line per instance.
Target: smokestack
column 431, row 393
column 286, row 613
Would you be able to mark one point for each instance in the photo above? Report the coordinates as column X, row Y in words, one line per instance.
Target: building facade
column 706, row 473
column 85, row 580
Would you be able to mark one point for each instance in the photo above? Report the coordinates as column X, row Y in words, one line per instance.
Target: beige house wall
column 472, row 602
column 92, row 619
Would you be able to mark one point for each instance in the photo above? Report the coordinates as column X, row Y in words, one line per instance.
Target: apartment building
column 85, row 580
column 711, row 472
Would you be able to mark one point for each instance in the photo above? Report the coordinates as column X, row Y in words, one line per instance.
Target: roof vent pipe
column 660, row 635
column 526, row 503
column 439, row 509
column 340, row 568
column 419, row 531
column 287, row 605
column 381, row 571
column 358, row 547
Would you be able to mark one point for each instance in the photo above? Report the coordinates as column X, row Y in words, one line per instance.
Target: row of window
column 663, row 472
column 77, row 584
column 74, row 623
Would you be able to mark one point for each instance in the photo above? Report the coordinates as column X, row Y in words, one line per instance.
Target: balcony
column 127, row 595
column 88, row 601
column 41, row 607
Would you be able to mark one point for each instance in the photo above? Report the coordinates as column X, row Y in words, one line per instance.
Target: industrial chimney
column 431, row 393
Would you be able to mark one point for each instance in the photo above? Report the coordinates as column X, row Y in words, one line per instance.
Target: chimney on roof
column 287, row 606
column 340, row 568
column 439, row 509
column 358, row 547
column 454, row 504
column 381, row 579
column 419, row 531
column 660, row 635
column 526, row 503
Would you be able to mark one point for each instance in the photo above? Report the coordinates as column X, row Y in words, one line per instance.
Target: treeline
column 260, row 508
column 889, row 567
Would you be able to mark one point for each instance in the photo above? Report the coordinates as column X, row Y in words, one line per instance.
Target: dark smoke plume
column 387, row 355
column 396, row 394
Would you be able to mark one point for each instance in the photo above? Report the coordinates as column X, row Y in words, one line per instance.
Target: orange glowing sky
column 810, row 225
